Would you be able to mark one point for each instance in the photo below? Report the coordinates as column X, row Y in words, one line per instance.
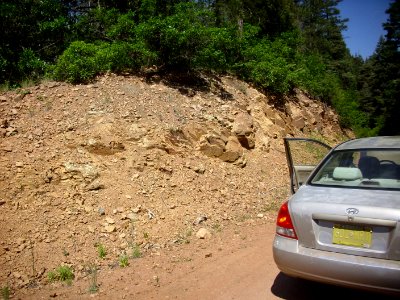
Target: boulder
column 87, row 172
column 194, row 131
column 203, row 233
column 247, row 141
column 212, row 145
column 243, row 124
column 243, row 128
column 233, row 150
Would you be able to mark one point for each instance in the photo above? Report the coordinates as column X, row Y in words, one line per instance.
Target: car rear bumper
column 336, row 268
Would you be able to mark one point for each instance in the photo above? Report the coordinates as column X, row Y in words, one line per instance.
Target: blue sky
column 365, row 24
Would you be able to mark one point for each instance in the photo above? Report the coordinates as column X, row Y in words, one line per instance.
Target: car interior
column 365, row 169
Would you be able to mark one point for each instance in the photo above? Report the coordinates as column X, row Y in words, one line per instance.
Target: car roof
column 379, row 142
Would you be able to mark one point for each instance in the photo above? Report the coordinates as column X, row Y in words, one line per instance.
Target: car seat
column 390, row 171
column 369, row 166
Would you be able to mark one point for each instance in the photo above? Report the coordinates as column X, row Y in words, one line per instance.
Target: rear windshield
column 370, row 169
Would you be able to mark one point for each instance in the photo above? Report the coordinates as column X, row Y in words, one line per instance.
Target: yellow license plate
column 349, row 235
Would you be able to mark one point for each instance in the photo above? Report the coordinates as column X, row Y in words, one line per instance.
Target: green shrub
column 123, row 56
column 310, row 73
column 30, row 65
column 93, row 25
column 218, row 50
column 123, row 29
column 266, row 67
column 77, row 63
column 350, row 115
column 187, row 39
column 82, row 61
column 149, row 33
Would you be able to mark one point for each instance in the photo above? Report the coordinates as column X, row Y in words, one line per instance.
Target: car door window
column 303, row 155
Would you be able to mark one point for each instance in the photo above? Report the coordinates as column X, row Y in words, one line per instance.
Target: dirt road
column 237, row 264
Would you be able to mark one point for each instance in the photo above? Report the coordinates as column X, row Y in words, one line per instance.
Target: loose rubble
column 131, row 164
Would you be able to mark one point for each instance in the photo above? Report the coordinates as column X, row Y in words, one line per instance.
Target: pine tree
column 380, row 92
column 322, row 26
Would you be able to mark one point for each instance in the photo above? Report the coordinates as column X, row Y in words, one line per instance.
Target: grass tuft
column 62, row 273
column 136, row 253
column 101, row 250
column 5, row 292
column 93, row 285
column 123, row 261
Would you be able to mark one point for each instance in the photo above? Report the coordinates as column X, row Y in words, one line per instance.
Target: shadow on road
column 286, row 287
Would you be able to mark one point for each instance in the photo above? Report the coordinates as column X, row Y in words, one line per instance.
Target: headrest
column 343, row 173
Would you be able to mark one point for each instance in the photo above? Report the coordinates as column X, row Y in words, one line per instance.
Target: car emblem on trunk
column 352, row 211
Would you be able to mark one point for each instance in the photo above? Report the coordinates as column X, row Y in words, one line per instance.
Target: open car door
column 303, row 155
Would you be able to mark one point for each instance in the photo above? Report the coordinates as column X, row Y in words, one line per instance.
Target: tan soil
column 141, row 167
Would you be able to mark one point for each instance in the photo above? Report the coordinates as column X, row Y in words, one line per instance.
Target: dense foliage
column 277, row 45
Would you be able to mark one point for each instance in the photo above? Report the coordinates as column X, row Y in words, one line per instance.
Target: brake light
column 284, row 224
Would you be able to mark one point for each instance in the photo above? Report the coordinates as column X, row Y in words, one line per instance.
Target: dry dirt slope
column 139, row 167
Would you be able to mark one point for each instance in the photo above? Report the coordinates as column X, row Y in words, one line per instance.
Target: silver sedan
column 342, row 223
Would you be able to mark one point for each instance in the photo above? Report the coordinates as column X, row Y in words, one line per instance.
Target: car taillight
column 284, row 225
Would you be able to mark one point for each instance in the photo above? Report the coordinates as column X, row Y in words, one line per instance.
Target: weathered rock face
column 308, row 116
column 121, row 162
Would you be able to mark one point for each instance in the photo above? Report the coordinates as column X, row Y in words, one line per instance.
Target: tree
column 273, row 17
column 322, row 27
column 33, row 32
column 380, row 93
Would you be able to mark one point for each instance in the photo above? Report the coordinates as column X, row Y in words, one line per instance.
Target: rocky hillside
column 138, row 165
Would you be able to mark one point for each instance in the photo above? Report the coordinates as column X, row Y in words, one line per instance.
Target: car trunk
column 362, row 222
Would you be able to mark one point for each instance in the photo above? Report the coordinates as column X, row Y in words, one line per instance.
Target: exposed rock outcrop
column 122, row 162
